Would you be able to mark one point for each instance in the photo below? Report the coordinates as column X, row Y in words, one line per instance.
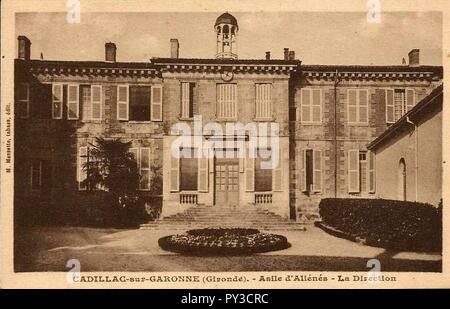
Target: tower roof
column 226, row 18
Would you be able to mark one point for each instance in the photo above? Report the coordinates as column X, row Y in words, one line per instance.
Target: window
column 23, row 100
column 142, row 157
column 73, row 101
column 398, row 103
column 40, row 174
column 57, row 101
column 85, row 96
column 263, row 176
column 42, row 101
column 68, row 94
column 187, row 100
column 227, row 101
column 312, row 171
column 188, row 170
column 36, row 175
column 263, row 108
column 96, row 102
column 361, row 171
column 139, row 103
column 144, row 168
column 358, row 106
column 311, row 106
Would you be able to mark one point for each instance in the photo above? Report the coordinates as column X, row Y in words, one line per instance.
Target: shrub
column 386, row 223
column 220, row 241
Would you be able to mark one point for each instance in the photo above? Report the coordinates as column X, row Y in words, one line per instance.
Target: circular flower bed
column 223, row 241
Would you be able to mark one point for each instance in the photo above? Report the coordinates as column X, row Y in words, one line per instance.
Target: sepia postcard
column 224, row 144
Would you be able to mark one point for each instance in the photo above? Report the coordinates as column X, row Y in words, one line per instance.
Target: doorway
column 227, row 182
column 402, row 180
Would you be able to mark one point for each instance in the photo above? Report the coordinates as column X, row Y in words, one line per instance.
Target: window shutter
column 317, row 171
column 226, row 100
column 353, row 171
column 317, row 105
column 144, row 169
column 203, row 174
column 277, row 175
column 73, row 97
column 363, row 106
column 352, row 106
column 303, row 170
column 390, row 111
column 123, row 96
column 410, row 99
column 134, row 152
column 306, row 105
column 23, row 99
column 36, row 174
column 263, row 101
column 57, row 101
column 96, row 102
column 156, row 105
column 82, row 175
column 175, row 173
column 185, row 96
column 249, row 172
column 371, row 172
column 258, row 101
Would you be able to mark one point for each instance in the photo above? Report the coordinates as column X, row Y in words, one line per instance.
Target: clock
column 227, row 76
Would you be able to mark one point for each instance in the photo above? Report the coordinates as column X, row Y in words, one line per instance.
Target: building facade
column 316, row 122
column 409, row 154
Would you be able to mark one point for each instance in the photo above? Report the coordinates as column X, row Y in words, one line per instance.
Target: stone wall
column 322, row 137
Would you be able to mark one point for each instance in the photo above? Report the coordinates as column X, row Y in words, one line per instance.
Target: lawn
column 49, row 248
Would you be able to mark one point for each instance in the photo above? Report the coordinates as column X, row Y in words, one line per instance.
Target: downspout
column 416, row 154
column 336, row 164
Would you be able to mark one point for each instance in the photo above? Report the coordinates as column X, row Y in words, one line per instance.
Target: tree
column 112, row 168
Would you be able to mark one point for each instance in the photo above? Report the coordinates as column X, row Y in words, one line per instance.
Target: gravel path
column 48, row 249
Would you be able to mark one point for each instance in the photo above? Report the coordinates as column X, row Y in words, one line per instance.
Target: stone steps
column 186, row 226
column 204, row 216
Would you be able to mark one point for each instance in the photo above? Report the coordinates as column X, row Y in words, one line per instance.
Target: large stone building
column 323, row 117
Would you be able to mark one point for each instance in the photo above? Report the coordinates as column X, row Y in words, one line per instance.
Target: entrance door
column 227, row 182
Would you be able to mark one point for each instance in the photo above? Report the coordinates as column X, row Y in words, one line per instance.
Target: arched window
column 226, row 29
column 402, row 180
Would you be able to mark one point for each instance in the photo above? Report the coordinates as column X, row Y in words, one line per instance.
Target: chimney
column 110, row 52
column 174, row 48
column 286, row 53
column 292, row 55
column 267, row 55
column 24, row 47
column 414, row 57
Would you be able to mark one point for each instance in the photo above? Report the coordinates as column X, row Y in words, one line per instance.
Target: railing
column 263, row 198
column 188, row 198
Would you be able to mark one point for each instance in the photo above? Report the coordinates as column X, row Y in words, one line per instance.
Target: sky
column 316, row 37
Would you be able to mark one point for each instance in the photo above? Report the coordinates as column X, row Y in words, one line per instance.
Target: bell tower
column 226, row 28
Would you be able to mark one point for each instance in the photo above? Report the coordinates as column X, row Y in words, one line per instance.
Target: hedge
column 389, row 224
